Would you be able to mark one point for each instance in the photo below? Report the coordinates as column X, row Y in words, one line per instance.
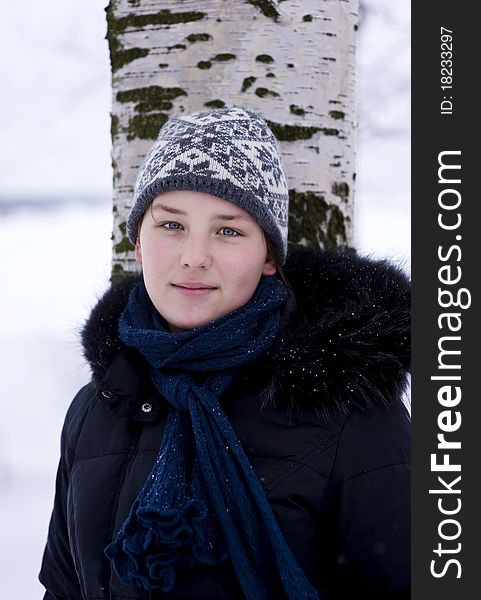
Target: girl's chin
column 188, row 324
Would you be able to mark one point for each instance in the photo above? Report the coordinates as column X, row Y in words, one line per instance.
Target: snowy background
column 55, row 225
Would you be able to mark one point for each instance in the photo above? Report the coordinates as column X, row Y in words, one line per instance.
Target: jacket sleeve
column 58, row 574
column 373, row 492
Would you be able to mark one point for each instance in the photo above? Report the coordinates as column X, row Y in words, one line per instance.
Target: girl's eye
column 229, row 232
column 171, row 225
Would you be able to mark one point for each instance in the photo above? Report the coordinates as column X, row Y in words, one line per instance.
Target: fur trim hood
column 344, row 339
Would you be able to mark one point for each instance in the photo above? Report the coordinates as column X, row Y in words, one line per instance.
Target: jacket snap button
column 107, row 394
column 146, row 407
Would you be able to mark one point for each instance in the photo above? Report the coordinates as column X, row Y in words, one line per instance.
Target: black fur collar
column 346, row 343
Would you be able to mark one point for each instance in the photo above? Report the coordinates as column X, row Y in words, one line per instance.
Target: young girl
column 243, row 435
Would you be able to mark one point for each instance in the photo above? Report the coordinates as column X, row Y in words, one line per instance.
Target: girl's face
column 202, row 257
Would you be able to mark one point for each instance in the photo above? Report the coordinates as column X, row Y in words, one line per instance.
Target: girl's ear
column 269, row 267
column 138, row 251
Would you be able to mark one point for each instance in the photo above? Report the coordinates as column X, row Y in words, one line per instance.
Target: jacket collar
column 344, row 339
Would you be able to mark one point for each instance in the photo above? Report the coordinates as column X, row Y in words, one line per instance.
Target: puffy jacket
column 320, row 417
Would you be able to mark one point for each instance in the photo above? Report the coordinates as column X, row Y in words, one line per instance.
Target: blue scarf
column 202, row 501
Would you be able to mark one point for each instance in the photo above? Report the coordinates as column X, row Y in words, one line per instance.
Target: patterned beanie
column 228, row 152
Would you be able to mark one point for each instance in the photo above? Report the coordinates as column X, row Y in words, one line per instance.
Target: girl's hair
column 272, row 255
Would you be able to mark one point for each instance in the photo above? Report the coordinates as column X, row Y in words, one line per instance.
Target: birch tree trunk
column 292, row 62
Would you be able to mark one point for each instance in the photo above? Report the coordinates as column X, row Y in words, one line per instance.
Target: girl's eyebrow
column 174, row 211
column 178, row 211
column 230, row 217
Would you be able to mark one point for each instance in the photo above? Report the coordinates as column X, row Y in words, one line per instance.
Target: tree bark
column 292, row 62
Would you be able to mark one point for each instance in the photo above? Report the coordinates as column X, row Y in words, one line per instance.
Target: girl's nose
column 196, row 252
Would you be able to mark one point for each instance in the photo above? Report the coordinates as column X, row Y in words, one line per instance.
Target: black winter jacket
column 319, row 416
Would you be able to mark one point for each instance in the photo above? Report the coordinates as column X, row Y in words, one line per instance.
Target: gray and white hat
column 228, row 152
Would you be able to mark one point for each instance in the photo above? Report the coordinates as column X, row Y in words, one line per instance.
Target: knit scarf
column 202, row 501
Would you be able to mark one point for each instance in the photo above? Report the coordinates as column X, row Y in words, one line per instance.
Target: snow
column 42, row 368
column 56, row 144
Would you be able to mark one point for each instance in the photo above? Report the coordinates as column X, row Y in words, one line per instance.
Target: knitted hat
column 230, row 153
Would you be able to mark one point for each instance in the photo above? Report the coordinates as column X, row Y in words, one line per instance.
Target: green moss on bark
column 145, row 127
column 329, row 131
column 262, row 92
column 267, row 8
column 125, row 245
column 307, row 213
column 149, row 103
column 341, row 189
column 118, row 273
column 177, row 47
column 247, row 83
column 116, row 26
column 114, row 126
column 312, row 219
column 120, row 57
column 151, row 98
column 140, row 21
column 337, row 114
column 264, row 58
column 336, row 228
column 146, row 107
column 289, row 133
column 198, row 37
column 297, row 110
column 115, row 175
column 215, row 104
column 223, row 57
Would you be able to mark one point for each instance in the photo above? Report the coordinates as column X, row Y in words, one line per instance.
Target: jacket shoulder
column 348, row 343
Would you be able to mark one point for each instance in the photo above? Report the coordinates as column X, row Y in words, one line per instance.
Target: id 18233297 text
column 446, row 74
